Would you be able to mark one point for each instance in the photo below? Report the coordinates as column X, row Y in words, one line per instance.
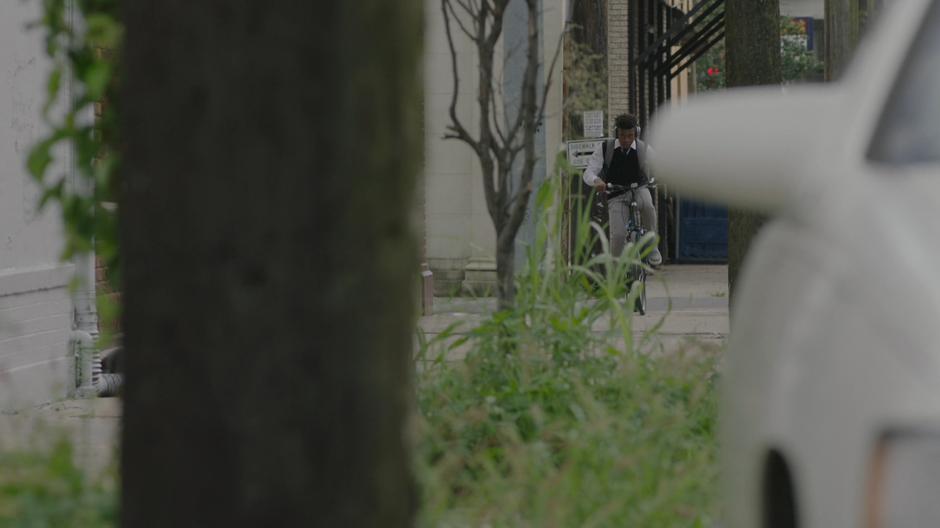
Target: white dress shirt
column 596, row 163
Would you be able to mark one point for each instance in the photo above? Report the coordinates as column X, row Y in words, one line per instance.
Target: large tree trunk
column 846, row 21
column 752, row 55
column 841, row 35
column 269, row 261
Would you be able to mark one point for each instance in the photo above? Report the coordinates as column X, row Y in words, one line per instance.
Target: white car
column 831, row 384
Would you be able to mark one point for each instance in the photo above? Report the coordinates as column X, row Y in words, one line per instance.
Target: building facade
column 460, row 241
column 36, row 310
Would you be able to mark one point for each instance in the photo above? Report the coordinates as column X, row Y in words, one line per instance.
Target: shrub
column 549, row 422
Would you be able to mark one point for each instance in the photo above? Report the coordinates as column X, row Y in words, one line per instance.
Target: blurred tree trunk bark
column 752, row 55
column 846, row 21
column 269, row 261
column 841, row 35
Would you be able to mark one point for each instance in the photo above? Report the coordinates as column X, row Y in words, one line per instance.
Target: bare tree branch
column 476, row 20
column 539, row 115
column 488, row 116
column 498, row 9
column 481, row 146
column 469, row 7
column 499, row 141
column 456, row 125
column 499, row 97
column 528, row 112
column 504, row 133
column 496, row 127
column 548, row 76
column 520, row 117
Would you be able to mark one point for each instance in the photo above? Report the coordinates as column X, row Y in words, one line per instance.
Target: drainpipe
column 87, row 363
column 84, row 339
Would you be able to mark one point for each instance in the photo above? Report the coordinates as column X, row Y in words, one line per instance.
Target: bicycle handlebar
column 613, row 187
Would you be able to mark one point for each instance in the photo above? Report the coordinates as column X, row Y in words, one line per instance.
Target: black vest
column 625, row 170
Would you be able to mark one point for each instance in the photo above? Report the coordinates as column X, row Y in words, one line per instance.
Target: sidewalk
column 690, row 300
column 92, row 428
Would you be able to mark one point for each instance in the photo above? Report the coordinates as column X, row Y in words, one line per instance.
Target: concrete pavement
column 689, row 301
column 91, row 427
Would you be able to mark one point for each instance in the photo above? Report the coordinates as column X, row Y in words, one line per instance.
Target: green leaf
column 53, row 192
column 103, row 31
column 96, row 79
column 544, row 197
column 103, row 169
column 40, row 157
column 52, row 90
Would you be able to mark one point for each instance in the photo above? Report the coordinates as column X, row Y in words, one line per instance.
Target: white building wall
column 803, row 8
column 458, row 226
column 554, row 13
column 35, row 309
column 460, row 236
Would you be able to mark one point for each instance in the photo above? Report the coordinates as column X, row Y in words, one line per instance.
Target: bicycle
column 637, row 272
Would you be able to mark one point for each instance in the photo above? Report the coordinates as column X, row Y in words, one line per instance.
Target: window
column 909, row 132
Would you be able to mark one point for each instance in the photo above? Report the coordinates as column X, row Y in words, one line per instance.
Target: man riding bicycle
column 624, row 161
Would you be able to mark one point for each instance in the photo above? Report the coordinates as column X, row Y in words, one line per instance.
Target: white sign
column 579, row 152
column 594, row 123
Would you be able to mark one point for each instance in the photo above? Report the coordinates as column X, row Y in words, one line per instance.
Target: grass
column 547, row 422
column 517, row 440
column 46, row 489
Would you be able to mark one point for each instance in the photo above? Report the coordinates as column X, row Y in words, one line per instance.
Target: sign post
column 579, row 194
column 579, row 152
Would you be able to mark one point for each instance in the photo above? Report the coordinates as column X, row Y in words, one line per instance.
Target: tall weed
column 551, row 421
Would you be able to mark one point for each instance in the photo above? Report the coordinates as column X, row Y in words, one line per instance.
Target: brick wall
column 618, row 59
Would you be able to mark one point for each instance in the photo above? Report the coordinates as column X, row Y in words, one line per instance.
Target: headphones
column 637, row 128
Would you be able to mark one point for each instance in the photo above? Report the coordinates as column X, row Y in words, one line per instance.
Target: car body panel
column 836, row 319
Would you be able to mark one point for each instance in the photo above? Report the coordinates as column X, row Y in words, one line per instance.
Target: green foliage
column 40, row 490
column 546, row 422
column 585, row 75
column 797, row 63
column 710, row 69
column 550, row 422
column 87, row 54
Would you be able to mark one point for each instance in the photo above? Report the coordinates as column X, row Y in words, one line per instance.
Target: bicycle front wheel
column 640, row 282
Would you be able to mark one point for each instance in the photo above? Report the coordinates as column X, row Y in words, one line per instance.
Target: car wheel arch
column 779, row 501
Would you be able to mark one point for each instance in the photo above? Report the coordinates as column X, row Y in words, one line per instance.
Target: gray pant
column 619, row 210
